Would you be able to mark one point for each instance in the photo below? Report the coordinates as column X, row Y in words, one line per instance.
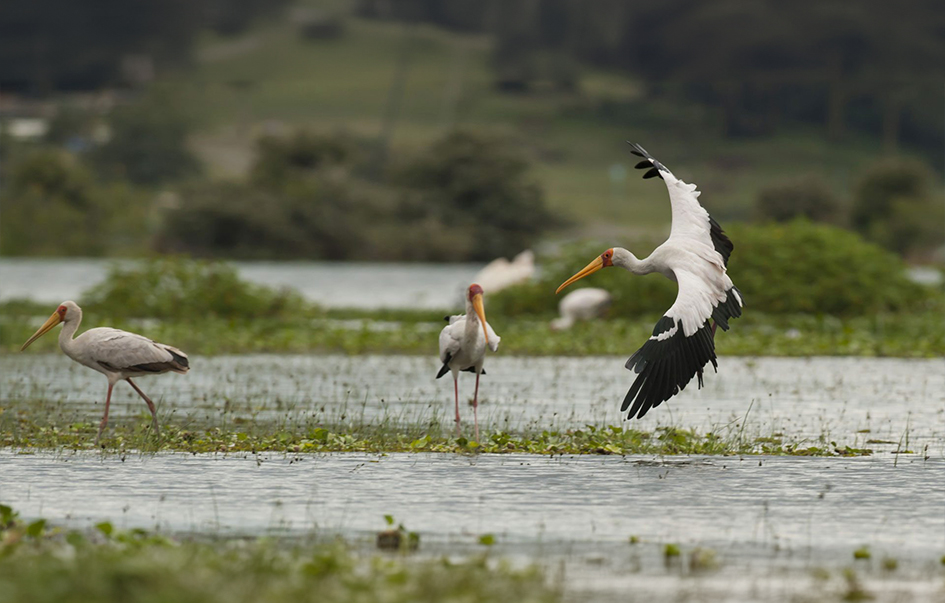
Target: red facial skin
column 61, row 310
column 608, row 257
column 474, row 290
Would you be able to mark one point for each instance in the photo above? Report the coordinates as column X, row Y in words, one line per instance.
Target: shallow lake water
column 331, row 284
column 780, row 528
column 882, row 404
column 770, row 522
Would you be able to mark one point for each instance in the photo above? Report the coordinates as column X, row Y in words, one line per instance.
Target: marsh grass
column 28, row 428
column 904, row 335
column 43, row 564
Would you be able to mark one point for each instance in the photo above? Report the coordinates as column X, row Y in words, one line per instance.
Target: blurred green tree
column 479, row 184
column 52, row 206
column 148, row 143
column 803, row 197
column 895, row 206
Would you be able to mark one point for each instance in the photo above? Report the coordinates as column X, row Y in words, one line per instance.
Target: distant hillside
column 272, row 79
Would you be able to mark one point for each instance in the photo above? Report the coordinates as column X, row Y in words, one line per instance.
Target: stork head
column 602, row 261
column 67, row 311
column 474, row 296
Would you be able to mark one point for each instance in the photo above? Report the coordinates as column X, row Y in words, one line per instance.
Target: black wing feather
column 666, row 366
column 446, row 364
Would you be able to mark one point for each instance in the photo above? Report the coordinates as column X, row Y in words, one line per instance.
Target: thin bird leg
column 476, row 406
column 101, row 427
column 147, row 400
column 456, row 391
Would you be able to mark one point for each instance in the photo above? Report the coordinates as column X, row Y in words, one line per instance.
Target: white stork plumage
column 695, row 256
column 584, row 304
column 501, row 273
column 114, row 353
column 463, row 344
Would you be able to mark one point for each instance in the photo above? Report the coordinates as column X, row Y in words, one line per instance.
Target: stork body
column 584, row 304
column 463, row 345
column 117, row 354
column 695, row 256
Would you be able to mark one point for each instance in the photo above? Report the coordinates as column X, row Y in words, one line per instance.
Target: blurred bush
column 313, row 219
column 477, row 186
column 301, row 201
column 53, row 206
column 796, row 267
column 279, row 158
column 819, row 269
column 148, row 142
column 894, row 205
column 804, row 197
column 309, row 196
column 187, row 290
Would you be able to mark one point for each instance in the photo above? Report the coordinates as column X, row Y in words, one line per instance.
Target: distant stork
column 501, row 273
column 695, row 256
column 463, row 344
column 116, row 354
column 583, row 304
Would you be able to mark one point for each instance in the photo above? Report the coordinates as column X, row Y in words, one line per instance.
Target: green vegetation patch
column 20, row 430
column 204, row 308
column 43, row 564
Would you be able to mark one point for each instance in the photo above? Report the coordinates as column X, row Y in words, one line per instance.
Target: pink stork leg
column 147, row 400
column 456, row 392
column 476, row 406
column 108, row 401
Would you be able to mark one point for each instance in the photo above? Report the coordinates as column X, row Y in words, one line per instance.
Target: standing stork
column 463, row 344
column 695, row 256
column 116, row 354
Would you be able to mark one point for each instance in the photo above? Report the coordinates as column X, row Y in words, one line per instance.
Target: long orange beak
column 591, row 268
column 52, row 321
column 481, row 313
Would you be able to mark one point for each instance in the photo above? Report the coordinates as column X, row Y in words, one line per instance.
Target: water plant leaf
column 35, row 529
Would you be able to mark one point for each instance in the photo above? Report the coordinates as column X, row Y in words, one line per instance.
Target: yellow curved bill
column 595, row 265
column 49, row 324
column 481, row 313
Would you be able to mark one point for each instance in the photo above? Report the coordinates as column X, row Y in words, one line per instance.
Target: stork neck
column 66, row 342
column 630, row 263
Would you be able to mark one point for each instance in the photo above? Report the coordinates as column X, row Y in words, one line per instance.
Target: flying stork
column 463, row 344
column 119, row 355
column 695, row 256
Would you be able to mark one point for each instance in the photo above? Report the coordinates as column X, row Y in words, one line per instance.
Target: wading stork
column 584, row 304
column 114, row 353
column 695, row 256
column 463, row 344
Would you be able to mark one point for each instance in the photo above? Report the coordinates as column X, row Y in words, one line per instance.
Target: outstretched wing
column 120, row 350
column 682, row 343
column 690, row 219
